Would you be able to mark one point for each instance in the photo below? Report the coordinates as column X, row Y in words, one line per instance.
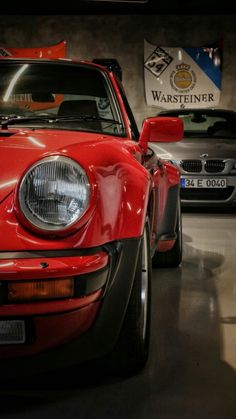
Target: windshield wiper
column 6, row 120
column 88, row 118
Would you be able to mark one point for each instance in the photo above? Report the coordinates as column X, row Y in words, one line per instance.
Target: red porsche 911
column 86, row 209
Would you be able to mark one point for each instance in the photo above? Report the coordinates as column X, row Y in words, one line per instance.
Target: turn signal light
column 40, row 289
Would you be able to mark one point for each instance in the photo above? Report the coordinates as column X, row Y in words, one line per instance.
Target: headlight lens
column 54, row 193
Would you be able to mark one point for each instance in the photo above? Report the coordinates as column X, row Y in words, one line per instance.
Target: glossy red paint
column 54, row 330
column 161, row 129
column 173, row 174
column 165, row 177
column 53, row 51
column 106, row 219
column 127, row 183
column 165, row 245
column 19, row 269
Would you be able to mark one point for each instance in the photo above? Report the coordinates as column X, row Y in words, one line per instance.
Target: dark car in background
column 206, row 156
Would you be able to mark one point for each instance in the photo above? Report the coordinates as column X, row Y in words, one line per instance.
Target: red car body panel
column 18, row 269
column 99, row 251
column 112, row 165
column 55, row 329
column 53, row 51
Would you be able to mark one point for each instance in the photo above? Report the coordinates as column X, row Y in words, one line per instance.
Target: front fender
column 123, row 187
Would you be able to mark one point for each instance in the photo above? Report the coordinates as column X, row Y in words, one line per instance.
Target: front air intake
column 214, row 166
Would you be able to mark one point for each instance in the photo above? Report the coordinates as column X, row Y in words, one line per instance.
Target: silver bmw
column 206, row 156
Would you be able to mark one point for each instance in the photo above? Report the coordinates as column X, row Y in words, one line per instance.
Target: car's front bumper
column 217, row 197
column 65, row 332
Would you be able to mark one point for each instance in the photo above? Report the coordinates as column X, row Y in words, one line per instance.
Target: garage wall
column 121, row 37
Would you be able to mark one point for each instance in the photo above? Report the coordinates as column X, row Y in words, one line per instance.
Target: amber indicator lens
column 40, row 289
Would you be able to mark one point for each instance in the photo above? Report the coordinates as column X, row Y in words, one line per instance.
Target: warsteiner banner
column 182, row 77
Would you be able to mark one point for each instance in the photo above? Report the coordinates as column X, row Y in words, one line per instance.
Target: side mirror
column 161, row 129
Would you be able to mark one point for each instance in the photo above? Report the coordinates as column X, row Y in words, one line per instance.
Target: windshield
column 57, row 95
column 208, row 125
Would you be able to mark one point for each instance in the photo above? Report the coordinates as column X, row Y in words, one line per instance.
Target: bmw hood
column 196, row 148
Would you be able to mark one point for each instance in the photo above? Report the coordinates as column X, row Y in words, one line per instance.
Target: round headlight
column 54, row 193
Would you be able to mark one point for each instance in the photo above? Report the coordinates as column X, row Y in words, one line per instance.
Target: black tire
column 132, row 348
column 173, row 257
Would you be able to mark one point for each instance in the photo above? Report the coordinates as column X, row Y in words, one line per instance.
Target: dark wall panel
column 122, row 37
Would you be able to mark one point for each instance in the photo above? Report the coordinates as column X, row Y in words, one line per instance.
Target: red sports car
column 86, row 208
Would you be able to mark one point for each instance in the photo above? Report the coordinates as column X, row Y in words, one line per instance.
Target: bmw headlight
column 54, row 193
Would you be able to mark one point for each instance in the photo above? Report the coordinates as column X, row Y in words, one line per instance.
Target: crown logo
column 183, row 66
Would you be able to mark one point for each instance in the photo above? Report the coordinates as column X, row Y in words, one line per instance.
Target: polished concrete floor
column 191, row 372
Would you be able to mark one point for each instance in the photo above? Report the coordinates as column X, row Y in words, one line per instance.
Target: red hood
column 21, row 149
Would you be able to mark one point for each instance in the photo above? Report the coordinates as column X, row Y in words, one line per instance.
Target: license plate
column 12, row 332
column 203, row 183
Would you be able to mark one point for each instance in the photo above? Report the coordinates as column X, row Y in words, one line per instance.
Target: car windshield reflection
column 46, row 95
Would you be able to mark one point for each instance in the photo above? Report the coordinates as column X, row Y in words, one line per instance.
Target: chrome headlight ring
column 54, row 193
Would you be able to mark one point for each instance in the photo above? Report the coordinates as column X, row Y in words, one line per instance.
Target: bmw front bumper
column 211, row 193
